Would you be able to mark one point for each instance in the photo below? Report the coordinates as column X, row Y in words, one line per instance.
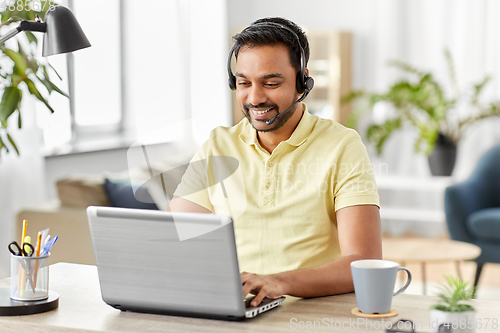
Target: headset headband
column 303, row 82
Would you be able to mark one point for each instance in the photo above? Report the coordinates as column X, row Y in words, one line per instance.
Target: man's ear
column 307, row 72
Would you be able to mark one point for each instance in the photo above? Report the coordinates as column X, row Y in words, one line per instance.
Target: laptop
column 170, row 263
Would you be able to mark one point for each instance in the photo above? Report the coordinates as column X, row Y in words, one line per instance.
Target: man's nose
column 256, row 95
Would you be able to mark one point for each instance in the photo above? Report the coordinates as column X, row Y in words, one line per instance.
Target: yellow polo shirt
column 283, row 204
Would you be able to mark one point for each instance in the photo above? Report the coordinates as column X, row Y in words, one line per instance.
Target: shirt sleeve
column 195, row 181
column 354, row 178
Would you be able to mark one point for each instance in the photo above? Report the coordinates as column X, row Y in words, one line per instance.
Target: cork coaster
column 392, row 313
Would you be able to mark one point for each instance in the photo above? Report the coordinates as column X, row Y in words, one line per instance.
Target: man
column 312, row 205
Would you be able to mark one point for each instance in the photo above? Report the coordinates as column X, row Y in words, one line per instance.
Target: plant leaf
column 378, row 134
column 405, row 67
column 451, row 71
column 20, row 66
column 31, row 37
column 59, row 76
column 34, row 91
column 51, row 86
column 351, row 96
column 10, row 102
column 478, row 88
column 12, row 143
column 31, row 63
column 19, row 119
column 56, row 88
column 2, row 145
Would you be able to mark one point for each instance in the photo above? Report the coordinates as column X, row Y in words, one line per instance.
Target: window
column 153, row 64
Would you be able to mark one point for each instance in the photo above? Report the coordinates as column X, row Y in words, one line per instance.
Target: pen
column 45, row 233
column 49, row 245
column 45, row 242
column 38, row 244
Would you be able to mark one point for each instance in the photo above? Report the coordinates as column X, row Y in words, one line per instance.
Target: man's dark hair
column 258, row 35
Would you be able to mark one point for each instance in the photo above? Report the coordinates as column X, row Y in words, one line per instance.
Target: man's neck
column 270, row 140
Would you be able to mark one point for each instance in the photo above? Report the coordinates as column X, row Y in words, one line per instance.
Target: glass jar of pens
column 30, row 267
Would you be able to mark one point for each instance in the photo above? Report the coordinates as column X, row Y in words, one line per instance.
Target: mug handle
column 407, row 281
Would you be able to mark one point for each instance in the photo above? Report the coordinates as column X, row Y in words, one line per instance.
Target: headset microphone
column 270, row 121
column 303, row 82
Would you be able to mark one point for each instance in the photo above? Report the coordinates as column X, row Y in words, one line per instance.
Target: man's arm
column 182, row 205
column 359, row 238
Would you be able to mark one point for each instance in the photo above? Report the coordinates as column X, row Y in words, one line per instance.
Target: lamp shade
column 63, row 34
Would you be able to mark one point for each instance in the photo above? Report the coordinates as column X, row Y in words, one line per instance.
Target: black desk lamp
column 63, row 33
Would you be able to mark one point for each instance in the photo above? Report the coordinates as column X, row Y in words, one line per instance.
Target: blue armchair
column 473, row 209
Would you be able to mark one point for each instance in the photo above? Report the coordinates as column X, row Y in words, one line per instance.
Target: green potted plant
column 21, row 71
column 422, row 102
column 452, row 308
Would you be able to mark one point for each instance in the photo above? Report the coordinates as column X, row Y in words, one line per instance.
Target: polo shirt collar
column 298, row 137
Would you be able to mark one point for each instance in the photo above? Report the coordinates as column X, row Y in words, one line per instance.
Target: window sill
column 96, row 143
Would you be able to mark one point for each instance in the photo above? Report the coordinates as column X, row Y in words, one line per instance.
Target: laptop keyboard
column 266, row 304
column 263, row 302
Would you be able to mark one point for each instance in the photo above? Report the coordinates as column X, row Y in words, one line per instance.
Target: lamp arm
column 10, row 34
column 33, row 26
column 24, row 26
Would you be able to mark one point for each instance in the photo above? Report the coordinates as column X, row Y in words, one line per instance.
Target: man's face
column 265, row 85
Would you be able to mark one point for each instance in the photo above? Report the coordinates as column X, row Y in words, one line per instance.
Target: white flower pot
column 460, row 322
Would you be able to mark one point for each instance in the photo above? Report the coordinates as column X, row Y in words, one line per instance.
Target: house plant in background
column 22, row 71
column 453, row 309
column 422, row 102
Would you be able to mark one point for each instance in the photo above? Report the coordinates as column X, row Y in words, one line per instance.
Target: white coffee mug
column 374, row 282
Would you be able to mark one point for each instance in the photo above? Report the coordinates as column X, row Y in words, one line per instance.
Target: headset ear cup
column 308, row 83
column 304, row 83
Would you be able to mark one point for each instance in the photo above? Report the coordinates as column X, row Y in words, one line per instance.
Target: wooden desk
column 426, row 251
column 81, row 309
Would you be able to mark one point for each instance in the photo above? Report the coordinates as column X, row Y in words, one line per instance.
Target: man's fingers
column 260, row 296
column 248, row 286
column 247, row 276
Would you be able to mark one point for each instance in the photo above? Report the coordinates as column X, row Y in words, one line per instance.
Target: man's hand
column 261, row 286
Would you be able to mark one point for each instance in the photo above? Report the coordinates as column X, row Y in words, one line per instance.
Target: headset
column 303, row 82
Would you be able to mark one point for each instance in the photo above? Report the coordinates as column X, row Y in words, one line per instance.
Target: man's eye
column 269, row 84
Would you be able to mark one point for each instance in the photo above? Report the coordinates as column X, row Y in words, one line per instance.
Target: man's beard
column 278, row 122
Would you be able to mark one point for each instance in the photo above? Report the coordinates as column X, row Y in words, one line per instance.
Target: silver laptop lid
column 167, row 262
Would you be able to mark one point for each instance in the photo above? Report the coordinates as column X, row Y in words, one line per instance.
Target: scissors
column 27, row 250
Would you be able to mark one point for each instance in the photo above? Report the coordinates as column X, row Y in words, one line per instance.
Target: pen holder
column 29, row 279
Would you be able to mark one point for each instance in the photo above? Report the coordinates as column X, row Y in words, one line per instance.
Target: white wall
column 356, row 16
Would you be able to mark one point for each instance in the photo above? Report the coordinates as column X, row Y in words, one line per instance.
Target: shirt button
column 271, row 164
column 268, row 186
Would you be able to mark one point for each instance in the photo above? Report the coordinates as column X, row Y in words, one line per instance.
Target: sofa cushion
column 485, row 224
column 121, row 194
column 81, row 191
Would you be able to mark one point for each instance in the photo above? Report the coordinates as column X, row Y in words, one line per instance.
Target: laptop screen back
column 144, row 265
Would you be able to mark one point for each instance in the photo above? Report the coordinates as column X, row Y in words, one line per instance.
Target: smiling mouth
column 261, row 112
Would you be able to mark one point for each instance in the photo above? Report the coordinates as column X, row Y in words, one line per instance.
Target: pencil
column 22, row 273
column 38, row 244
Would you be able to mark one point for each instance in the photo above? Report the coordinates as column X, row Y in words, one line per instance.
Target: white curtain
column 176, row 68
